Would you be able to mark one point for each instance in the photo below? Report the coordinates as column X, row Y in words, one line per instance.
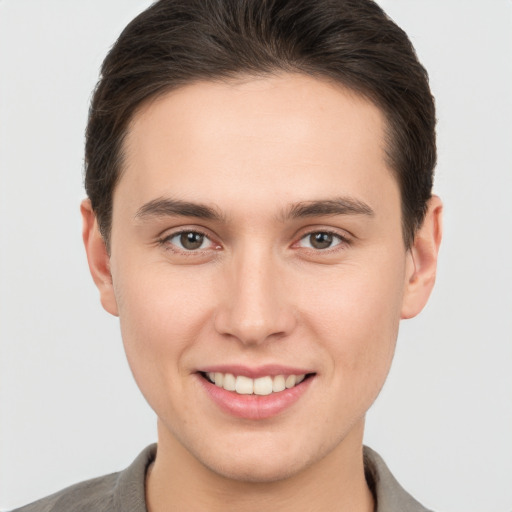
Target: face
column 258, row 270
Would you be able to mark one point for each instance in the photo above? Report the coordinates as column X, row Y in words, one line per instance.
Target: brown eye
column 191, row 240
column 320, row 240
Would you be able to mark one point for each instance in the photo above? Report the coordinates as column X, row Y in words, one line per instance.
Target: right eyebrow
column 167, row 207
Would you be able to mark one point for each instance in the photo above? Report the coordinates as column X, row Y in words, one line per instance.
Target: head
column 349, row 42
column 259, row 175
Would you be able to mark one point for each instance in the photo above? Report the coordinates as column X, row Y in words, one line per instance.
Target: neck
column 178, row 481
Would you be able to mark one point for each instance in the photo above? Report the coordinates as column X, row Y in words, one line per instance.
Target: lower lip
column 254, row 407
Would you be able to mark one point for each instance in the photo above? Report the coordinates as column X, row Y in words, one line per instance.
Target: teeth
column 263, row 386
column 219, row 379
column 244, row 385
column 278, row 384
column 260, row 386
column 290, row 381
column 229, row 382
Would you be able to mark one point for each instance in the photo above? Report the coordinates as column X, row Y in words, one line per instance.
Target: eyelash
column 342, row 240
column 166, row 241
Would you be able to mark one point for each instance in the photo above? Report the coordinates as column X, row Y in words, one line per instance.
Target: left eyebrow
column 335, row 206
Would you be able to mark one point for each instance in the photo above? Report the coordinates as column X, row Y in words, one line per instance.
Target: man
column 260, row 218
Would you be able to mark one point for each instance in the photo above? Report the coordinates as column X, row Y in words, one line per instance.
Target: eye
column 320, row 240
column 189, row 241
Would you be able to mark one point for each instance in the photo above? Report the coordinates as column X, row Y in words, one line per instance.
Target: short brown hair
column 353, row 42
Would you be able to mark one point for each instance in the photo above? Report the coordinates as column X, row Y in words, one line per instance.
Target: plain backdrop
column 69, row 409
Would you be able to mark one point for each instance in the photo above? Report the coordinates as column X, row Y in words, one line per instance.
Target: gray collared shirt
column 124, row 491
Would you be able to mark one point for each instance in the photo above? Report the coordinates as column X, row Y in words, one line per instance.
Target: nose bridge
column 256, row 306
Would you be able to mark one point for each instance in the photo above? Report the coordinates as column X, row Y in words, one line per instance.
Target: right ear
column 98, row 258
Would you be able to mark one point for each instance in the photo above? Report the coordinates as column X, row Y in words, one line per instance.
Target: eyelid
column 344, row 237
column 309, row 230
column 165, row 238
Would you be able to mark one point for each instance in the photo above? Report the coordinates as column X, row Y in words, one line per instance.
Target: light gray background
column 69, row 409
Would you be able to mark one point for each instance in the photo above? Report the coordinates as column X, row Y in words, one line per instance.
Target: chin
column 260, row 471
column 260, row 462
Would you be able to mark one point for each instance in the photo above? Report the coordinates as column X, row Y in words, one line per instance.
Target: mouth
column 259, row 397
column 262, row 386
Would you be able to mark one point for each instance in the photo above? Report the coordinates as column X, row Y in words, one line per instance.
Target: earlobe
column 422, row 260
column 97, row 257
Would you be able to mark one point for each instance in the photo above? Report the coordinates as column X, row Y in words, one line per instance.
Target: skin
column 257, row 292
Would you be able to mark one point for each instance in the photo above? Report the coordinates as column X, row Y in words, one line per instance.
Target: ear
column 98, row 258
column 422, row 260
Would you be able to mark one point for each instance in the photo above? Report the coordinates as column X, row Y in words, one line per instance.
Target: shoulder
column 95, row 494
column 389, row 495
column 123, row 491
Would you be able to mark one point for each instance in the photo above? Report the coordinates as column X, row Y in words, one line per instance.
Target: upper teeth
column 260, row 386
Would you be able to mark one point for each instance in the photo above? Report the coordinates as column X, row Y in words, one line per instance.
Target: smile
column 243, row 385
column 255, row 394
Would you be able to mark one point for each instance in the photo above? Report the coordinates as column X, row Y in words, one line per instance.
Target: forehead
column 287, row 137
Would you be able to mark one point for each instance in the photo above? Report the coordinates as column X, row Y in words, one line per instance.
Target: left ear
column 422, row 260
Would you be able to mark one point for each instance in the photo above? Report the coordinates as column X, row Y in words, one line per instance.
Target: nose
column 255, row 305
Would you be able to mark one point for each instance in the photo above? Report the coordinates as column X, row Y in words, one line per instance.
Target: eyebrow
column 166, row 207
column 335, row 206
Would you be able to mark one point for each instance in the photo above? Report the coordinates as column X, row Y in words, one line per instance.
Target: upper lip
column 255, row 372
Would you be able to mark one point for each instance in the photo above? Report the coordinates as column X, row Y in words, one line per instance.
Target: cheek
column 357, row 317
column 160, row 305
column 161, row 318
